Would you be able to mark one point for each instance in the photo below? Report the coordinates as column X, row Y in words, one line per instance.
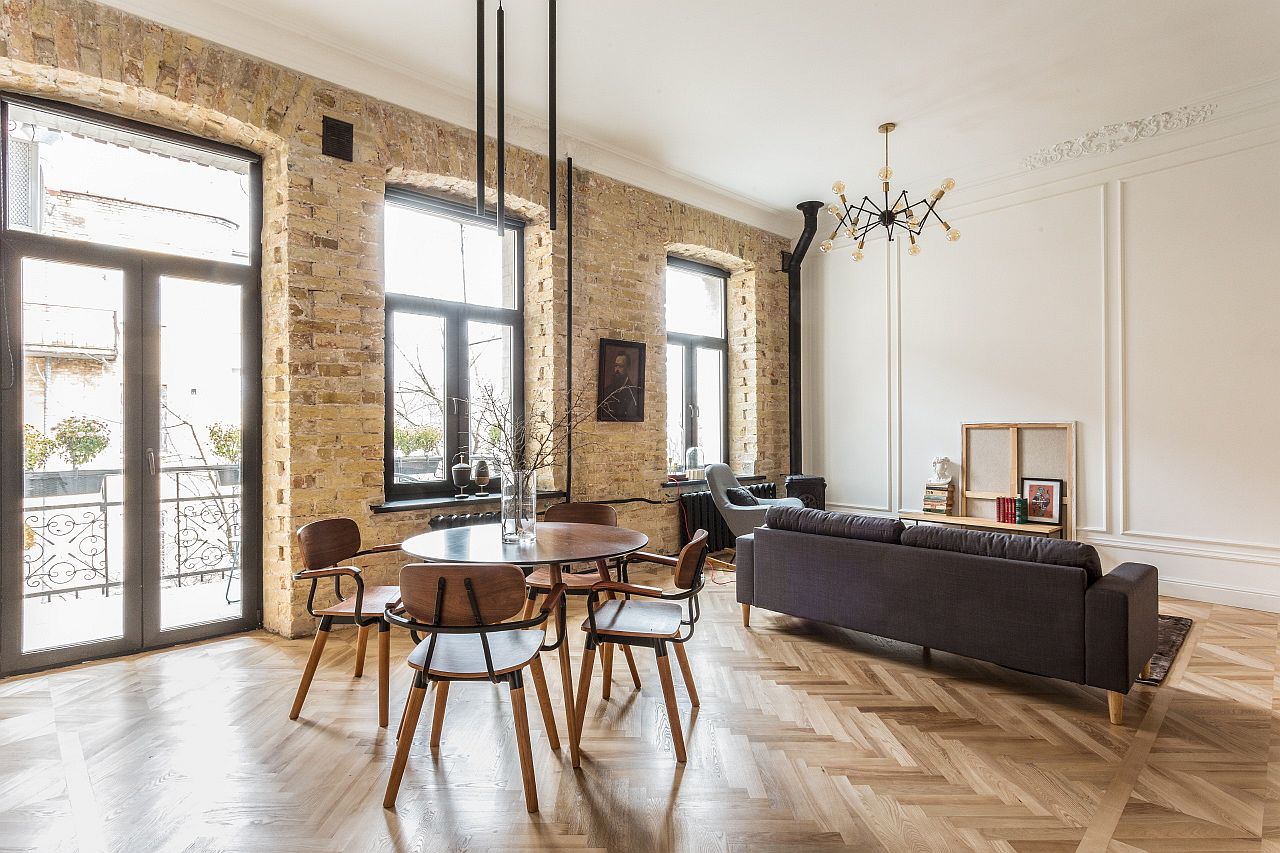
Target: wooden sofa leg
column 1115, row 707
column 746, row 616
column 1146, row 670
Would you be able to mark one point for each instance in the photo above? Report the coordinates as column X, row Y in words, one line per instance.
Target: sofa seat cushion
column 839, row 524
column 741, row 497
column 1027, row 549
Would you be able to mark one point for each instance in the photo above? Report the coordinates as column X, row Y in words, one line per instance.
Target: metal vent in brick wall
column 24, row 184
column 338, row 139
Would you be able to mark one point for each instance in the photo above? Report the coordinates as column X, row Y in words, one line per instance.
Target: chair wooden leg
column 686, row 673
column 746, row 616
column 606, row 665
column 631, row 665
column 384, row 671
column 521, row 712
column 416, row 696
column 317, row 647
column 626, row 650
column 544, row 701
column 584, row 690
column 1115, row 707
column 530, row 604
column 669, row 694
column 362, row 646
column 570, row 712
column 437, row 715
column 404, row 715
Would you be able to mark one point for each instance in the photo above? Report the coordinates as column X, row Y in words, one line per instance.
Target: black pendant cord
column 480, row 140
column 502, row 120
column 551, row 109
column 568, row 299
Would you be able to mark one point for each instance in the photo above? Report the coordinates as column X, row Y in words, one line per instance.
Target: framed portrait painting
column 1044, row 500
column 620, row 382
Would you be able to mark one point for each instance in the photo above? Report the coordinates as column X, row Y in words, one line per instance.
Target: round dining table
column 557, row 543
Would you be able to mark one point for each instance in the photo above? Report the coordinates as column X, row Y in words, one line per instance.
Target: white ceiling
column 752, row 105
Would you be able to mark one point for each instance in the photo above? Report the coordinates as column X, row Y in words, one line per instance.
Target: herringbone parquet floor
column 809, row 738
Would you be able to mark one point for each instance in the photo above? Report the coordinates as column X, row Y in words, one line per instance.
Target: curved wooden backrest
column 498, row 587
column 328, row 542
column 689, row 563
column 583, row 513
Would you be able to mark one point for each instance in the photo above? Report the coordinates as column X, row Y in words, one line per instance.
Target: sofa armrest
column 745, row 568
column 1120, row 625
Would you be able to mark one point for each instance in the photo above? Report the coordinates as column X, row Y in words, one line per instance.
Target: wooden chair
column 462, row 607
column 325, row 545
column 539, row 582
column 648, row 623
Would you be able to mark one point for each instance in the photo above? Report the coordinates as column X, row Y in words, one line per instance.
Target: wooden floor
column 808, row 738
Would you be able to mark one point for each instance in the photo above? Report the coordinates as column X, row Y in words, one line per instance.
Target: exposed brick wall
column 322, row 293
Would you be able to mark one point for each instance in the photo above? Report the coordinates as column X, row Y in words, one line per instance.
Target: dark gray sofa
column 1038, row 605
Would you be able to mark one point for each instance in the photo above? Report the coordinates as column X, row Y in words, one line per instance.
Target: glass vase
column 519, row 506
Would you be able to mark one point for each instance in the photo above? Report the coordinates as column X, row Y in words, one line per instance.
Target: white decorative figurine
column 941, row 471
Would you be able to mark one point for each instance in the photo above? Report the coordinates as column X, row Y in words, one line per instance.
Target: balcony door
column 130, row 496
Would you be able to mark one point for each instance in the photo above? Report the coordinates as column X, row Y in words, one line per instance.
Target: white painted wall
column 1140, row 299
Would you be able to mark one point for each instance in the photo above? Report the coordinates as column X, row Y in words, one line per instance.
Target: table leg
column 570, row 709
column 384, row 669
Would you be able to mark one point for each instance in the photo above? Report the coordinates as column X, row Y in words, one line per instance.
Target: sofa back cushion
column 1026, row 549
column 839, row 524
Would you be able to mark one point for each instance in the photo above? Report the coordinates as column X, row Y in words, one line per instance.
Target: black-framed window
column 454, row 333
column 697, row 362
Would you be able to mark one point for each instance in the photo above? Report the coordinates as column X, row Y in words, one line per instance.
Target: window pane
column 436, row 256
column 695, row 303
column 73, row 440
column 83, row 181
column 676, row 404
column 489, row 378
column 418, row 380
column 709, row 369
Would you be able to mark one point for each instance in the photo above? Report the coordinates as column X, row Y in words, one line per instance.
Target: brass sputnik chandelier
column 900, row 214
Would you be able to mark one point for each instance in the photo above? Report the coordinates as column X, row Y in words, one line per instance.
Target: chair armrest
column 554, row 599
column 627, row 588
column 1121, row 614
column 646, row 557
column 741, row 520
column 336, row 571
column 380, row 549
column 796, row 502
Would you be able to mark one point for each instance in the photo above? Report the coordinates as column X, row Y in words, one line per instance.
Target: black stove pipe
column 791, row 262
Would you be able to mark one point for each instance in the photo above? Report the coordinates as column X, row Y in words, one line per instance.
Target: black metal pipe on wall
column 568, row 300
column 791, row 263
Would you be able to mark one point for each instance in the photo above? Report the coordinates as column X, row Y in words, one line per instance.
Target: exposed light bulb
column 914, row 250
column 948, row 184
column 824, row 246
column 885, row 173
column 857, row 255
column 851, row 231
column 837, row 187
column 834, row 209
column 953, row 235
column 900, row 206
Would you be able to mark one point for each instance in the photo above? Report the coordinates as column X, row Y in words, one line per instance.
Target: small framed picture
column 620, row 382
column 1044, row 500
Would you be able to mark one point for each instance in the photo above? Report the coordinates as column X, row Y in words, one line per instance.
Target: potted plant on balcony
column 410, row 439
column 79, row 440
column 224, row 441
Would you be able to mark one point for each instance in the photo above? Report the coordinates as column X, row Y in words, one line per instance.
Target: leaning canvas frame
column 992, row 464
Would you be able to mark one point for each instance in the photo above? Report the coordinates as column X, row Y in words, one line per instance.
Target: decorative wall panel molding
column 1112, row 137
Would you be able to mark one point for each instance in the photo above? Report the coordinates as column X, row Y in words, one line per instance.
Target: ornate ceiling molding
column 1112, row 137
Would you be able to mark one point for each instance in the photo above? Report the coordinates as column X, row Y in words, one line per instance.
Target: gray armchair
column 740, row 519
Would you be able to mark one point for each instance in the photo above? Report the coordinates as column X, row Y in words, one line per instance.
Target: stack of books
column 939, row 498
column 1011, row 510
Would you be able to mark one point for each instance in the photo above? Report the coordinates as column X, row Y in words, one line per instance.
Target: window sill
column 741, row 478
column 447, row 502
